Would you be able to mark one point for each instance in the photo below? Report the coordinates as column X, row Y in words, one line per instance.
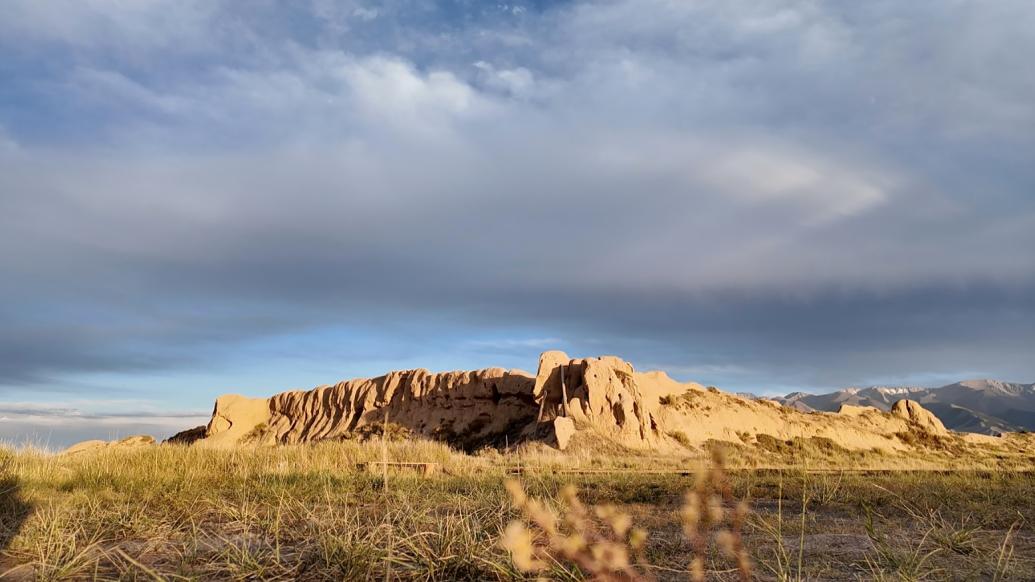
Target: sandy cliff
column 592, row 400
column 467, row 409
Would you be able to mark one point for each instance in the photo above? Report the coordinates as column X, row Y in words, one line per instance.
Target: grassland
column 308, row 512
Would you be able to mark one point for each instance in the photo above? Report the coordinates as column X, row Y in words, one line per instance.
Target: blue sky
column 199, row 196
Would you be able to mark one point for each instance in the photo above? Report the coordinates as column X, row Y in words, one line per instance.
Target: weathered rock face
column 603, row 395
column 464, row 408
column 467, row 409
column 912, row 412
column 236, row 420
column 563, row 430
column 591, row 400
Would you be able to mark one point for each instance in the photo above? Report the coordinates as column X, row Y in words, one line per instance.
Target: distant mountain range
column 981, row 406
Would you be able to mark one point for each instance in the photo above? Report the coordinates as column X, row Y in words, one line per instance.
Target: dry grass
column 306, row 512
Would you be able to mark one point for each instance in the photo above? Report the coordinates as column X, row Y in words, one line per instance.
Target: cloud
column 55, row 427
column 44, row 411
column 391, row 91
column 109, row 25
column 789, row 193
column 544, row 343
column 366, row 14
column 519, row 81
column 113, row 88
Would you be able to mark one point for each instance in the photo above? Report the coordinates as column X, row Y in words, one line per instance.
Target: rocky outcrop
column 853, row 410
column 590, row 400
column 563, row 431
column 237, row 420
column 464, row 408
column 468, row 409
column 912, row 412
column 130, row 442
column 604, row 395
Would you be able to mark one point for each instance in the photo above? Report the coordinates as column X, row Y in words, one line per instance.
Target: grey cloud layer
column 817, row 189
column 55, row 428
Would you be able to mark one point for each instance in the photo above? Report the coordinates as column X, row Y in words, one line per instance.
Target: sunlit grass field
column 311, row 513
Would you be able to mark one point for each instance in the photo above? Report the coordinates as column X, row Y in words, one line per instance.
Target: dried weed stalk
column 602, row 542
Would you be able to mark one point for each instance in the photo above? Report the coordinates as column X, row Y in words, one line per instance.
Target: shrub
column 774, row 445
column 684, row 400
column 257, row 434
column 681, row 438
column 922, row 438
column 392, row 432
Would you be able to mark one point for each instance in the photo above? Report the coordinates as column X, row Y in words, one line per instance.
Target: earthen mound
column 587, row 400
column 130, row 442
column 911, row 411
column 467, row 409
column 853, row 410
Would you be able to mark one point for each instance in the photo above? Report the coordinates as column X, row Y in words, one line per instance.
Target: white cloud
column 827, row 191
column 391, row 89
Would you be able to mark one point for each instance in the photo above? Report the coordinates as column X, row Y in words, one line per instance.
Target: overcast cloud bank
column 774, row 194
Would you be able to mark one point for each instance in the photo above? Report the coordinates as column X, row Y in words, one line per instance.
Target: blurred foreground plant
column 602, row 542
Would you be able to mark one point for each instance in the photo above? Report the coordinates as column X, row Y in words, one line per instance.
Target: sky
column 200, row 196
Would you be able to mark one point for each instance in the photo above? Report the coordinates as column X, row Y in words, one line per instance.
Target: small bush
column 774, row 445
column 392, row 433
column 924, row 439
column 685, row 400
column 257, row 434
column 681, row 438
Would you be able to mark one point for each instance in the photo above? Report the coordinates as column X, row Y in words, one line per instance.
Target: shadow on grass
column 13, row 509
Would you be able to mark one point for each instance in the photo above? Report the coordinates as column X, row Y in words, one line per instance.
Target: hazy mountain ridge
column 983, row 406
